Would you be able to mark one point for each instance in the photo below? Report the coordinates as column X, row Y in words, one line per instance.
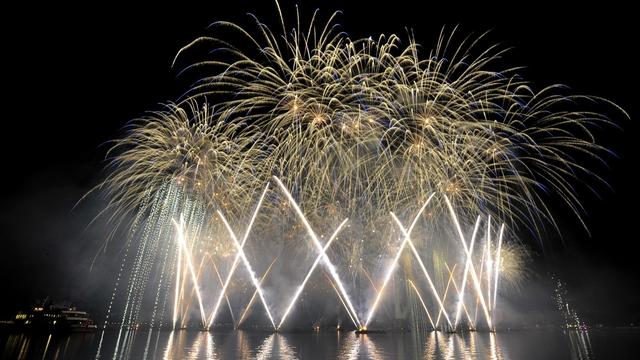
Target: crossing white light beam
column 194, row 278
column 474, row 276
column 391, row 268
column 315, row 263
column 464, row 275
column 255, row 293
column 237, row 258
column 457, row 290
column 325, row 258
column 424, row 269
column 341, row 299
column 446, row 291
column 252, row 274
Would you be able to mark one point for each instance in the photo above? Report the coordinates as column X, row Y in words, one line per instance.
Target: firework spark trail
column 464, row 275
column 192, row 294
column 487, row 251
column 165, row 264
column 455, row 119
column 193, row 222
column 497, row 270
column 325, row 258
column 133, row 282
column 313, row 267
column 178, row 273
column 446, row 291
column 474, row 276
column 222, row 284
column 373, row 285
column 255, row 292
column 184, row 316
column 424, row 306
column 237, row 257
column 394, row 263
column 457, row 290
column 247, row 265
column 248, row 307
column 482, row 273
column 424, row 269
column 139, row 273
column 187, row 256
column 485, row 270
column 333, row 286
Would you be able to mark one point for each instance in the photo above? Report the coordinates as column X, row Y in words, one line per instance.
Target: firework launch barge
column 52, row 318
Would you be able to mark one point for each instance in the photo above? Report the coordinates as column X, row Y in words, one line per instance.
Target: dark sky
column 74, row 76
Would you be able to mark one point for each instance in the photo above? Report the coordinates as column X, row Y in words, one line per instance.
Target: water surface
column 189, row 344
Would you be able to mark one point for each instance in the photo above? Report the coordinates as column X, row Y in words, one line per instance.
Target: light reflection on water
column 186, row 344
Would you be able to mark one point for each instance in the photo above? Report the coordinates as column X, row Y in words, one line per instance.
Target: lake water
column 189, row 344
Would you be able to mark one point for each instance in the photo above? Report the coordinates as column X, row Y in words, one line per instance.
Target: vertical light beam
column 177, row 294
column 489, row 262
column 496, row 271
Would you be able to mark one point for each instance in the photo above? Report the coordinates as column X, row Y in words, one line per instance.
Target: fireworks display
column 366, row 174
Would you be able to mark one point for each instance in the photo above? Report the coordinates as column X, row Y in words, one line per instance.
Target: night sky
column 76, row 76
